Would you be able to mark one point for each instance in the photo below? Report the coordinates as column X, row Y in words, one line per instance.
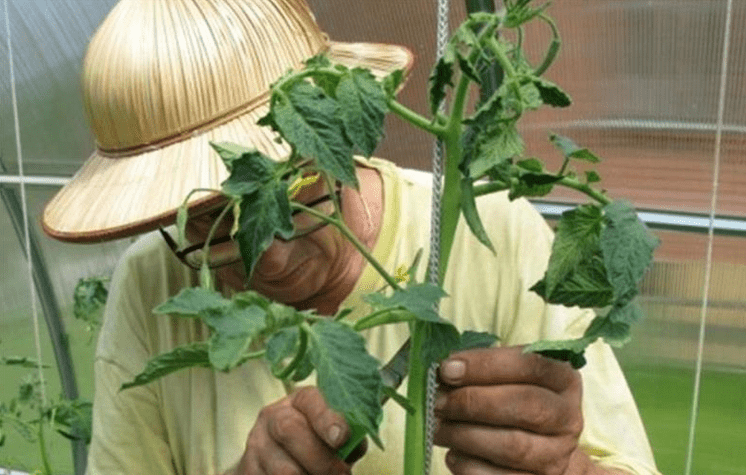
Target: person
column 164, row 78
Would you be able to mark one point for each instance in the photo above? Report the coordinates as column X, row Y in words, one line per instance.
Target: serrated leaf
column 614, row 333
column 419, row 299
column 471, row 215
column 532, row 185
column 586, row 287
column 570, row 149
column 363, row 108
column 530, row 97
column 494, row 147
column 75, row 416
column 441, row 77
column 627, row 249
column 232, row 331
column 250, row 172
column 531, row 164
column 551, row 94
column 576, row 240
column 187, row 356
column 392, row 82
column 192, row 302
column 230, row 152
column 348, row 376
column 281, row 345
column 263, row 215
column 310, row 121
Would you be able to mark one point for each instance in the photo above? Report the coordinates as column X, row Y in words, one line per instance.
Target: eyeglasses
column 304, row 224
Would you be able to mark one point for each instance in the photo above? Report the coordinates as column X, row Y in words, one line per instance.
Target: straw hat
column 163, row 78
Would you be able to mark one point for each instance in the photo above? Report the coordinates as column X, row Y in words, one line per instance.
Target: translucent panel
column 48, row 41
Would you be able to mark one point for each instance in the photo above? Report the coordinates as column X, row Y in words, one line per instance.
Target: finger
column 295, row 438
column 461, row 464
column 509, row 448
column 522, row 406
column 327, row 424
column 507, row 366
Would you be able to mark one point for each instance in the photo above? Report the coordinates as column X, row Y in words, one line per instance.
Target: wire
column 24, row 204
column 711, row 233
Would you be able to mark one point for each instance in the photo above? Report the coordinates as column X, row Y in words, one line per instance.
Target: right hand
column 297, row 435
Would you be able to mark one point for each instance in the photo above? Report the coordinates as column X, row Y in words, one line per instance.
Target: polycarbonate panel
column 48, row 39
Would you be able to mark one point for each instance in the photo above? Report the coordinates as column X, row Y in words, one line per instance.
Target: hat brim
column 116, row 197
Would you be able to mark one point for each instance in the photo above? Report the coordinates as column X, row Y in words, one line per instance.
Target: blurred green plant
column 28, row 415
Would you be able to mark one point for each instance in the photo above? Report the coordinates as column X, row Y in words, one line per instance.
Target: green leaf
column 192, row 302
column 263, row 215
column 89, row 298
column 187, row 356
column 441, row 77
column 471, row 339
column 363, row 108
column 532, row 185
column 615, row 333
column 551, row 94
column 250, row 172
column 570, row 149
column 233, row 330
column 230, row 152
column 310, row 121
column 576, row 240
column 494, row 147
column 348, row 376
column 587, row 286
column 591, row 176
column 471, row 215
column 419, row 299
column 627, row 249
column 281, row 345
column 20, row 361
column 530, row 97
column 392, row 82
column 75, row 416
column 24, row 429
column 571, row 351
column 440, row 340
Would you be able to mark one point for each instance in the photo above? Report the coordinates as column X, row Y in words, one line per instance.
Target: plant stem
column 574, row 184
column 340, row 224
column 414, row 435
column 416, row 119
column 43, row 447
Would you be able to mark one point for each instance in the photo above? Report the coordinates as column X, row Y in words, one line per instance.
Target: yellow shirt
column 196, row 421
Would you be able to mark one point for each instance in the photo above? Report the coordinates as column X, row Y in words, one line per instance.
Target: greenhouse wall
column 659, row 89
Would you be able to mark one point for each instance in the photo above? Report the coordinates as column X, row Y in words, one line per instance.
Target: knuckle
column 519, row 448
column 285, row 426
column 285, row 467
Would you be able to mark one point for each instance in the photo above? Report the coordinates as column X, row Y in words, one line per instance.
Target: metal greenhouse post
column 55, row 326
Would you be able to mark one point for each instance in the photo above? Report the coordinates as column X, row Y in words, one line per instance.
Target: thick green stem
column 43, row 448
column 414, row 435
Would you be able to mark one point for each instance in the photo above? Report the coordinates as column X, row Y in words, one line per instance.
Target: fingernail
column 453, row 370
column 334, row 433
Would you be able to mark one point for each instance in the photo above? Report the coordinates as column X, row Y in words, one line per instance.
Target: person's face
column 303, row 272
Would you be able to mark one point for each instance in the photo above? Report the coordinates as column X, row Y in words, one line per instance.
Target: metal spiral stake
column 434, row 261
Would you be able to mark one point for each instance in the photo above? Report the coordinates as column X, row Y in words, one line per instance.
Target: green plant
column 326, row 112
column 29, row 415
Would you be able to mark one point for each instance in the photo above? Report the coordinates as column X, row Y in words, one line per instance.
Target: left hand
column 502, row 411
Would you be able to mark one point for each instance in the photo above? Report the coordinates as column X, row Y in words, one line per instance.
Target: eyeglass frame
column 182, row 254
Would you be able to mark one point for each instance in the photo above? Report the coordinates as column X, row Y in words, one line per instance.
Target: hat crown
column 160, row 69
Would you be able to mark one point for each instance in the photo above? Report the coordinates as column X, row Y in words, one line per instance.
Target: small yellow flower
column 401, row 275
